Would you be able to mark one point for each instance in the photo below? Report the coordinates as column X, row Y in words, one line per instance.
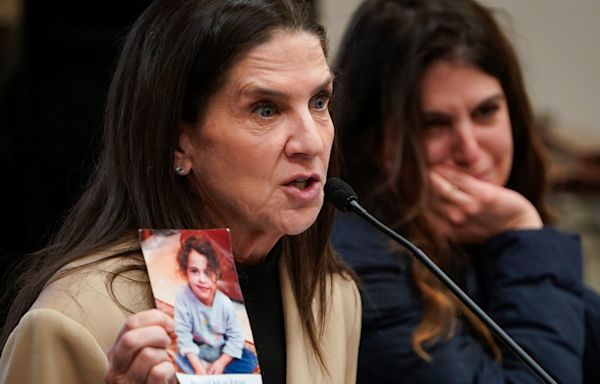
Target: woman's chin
column 300, row 224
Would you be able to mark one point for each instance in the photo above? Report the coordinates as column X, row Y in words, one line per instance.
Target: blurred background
column 56, row 59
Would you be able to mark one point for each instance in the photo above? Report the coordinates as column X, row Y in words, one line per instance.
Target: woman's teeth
column 300, row 184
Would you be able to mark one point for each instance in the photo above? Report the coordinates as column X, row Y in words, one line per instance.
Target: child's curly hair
column 203, row 246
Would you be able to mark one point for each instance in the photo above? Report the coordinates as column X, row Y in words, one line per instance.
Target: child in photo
column 209, row 336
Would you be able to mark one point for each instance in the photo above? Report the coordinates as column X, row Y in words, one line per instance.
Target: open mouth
column 303, row 183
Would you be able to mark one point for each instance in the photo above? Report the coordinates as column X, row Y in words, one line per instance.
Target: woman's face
column 262, row 151
column 466, row 120
column 201, row 278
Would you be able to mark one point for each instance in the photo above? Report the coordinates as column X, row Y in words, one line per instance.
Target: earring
column 179, row 170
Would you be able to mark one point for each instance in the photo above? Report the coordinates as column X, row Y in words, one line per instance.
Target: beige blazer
column 65, row 336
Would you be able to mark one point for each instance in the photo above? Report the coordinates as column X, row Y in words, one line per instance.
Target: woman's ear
column 183, row 153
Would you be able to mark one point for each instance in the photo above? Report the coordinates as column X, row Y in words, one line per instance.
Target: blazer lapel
column 301, row 362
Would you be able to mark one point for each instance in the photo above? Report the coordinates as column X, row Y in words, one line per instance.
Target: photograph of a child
column 209, row 336
column 193, row 279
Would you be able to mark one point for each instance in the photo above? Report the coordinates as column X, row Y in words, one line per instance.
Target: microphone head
column 339, row 193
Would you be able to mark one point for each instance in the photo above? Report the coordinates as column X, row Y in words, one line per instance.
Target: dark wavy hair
column 176, row 55
column 204, row 248
column 386, row 50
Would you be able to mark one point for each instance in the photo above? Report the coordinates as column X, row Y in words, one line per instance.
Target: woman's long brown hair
column 175, row 57
column 376, row 108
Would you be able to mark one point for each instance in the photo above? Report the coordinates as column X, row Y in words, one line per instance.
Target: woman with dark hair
column 217, row 116
column 437, row 135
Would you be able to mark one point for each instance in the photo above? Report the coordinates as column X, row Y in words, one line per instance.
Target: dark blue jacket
column 528, row 281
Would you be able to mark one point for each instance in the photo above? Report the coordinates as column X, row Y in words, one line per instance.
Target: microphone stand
column 353, row 205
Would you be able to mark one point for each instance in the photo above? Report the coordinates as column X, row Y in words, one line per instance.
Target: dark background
column 55, row 67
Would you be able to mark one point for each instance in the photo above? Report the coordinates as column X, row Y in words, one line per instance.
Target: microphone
column 343, row 197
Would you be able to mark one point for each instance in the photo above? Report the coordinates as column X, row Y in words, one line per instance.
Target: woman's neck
column 251, row 248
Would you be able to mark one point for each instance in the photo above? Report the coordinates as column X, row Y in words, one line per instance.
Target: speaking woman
column 217, row 116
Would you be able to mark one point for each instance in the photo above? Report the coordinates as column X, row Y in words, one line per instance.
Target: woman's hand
column 469, row 210
column 140, row 353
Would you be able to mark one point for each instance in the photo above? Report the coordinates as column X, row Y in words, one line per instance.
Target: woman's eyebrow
column 490, row 99
column 260, row 91
column 436, row 115
column 326, row 84
column 495, row 97
column 253, row 90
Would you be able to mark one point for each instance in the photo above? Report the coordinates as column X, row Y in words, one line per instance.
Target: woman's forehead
column 295, row 56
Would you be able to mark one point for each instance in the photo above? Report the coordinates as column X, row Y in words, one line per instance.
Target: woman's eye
column 485, row 111
column 436, row 123
column 430, row 124
column 265, row 110
column 320, row 102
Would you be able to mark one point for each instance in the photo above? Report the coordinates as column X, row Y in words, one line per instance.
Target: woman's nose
column 306, row 136
column 466, row 148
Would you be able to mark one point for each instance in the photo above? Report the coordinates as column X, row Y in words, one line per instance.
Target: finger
column 451, row 221
column 454, row 215
column 451, row 215
column 464, row 181
column 148, row 317
column 163, row 372
column 144, row 362
column 446, row 190
column 132, row 341
column 145, row 318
